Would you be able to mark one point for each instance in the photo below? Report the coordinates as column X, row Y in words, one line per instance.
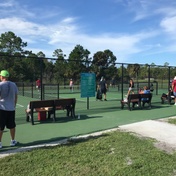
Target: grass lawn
column 172, row 121
column 112, row 154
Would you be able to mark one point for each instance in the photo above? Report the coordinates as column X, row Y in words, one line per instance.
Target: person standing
column 174, row 88
column 71, row 85
column 131, row 87
column 103, row 87
column 38, row 84
column 8, row 100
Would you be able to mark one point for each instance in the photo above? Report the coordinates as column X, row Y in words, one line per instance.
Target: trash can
column 42, row 115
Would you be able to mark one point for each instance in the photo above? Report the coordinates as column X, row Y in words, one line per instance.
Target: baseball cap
column 4, row 73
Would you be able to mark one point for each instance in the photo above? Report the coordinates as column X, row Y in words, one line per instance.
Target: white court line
column 20, row 105
column 85, row 99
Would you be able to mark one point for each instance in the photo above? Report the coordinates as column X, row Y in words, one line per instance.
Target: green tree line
column 26, row 66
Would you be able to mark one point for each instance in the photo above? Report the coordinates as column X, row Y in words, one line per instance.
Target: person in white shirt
column 8, row 100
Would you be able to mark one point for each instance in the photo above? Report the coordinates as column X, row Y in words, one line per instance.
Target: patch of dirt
column 164, row 147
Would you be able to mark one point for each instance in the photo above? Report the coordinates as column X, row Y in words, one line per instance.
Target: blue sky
column 136, row 31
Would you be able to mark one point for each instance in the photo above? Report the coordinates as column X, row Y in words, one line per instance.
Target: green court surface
column 94, row 116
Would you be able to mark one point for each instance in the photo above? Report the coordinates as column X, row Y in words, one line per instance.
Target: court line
column 20, row 105
column 91, row 100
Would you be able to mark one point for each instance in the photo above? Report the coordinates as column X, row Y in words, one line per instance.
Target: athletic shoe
column 0, row 145
column 105, row 100
column 175, row 104
column 13, row 143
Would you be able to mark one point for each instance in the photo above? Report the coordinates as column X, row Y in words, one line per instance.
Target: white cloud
column 167, row 11
column 68, row 20
column 143, row 9
column 169, row 24
column 7, row 3
column 12, row 8
column 22, row 27
column 66, row 35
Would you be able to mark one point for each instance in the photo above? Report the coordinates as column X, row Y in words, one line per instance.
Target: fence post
column 43, row 92
column 32, row 90
column 41, row 79
column 169, row 82
column 23, row 88
column 58, row 91
column 122, row 82
column 148, row 75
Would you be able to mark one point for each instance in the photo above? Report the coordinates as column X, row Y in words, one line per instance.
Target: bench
column 132, row 98
column 146, row 98
column 139, row 99
column 50, row 106
column 39, row 106
column 167, row 98
column 66, row 103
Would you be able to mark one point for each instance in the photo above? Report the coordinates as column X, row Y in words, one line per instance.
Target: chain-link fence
column 26, row 70
column 55, row 75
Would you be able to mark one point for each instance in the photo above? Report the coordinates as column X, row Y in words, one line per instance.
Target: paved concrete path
column 157, row 129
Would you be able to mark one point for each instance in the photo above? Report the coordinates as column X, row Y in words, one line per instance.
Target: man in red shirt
column 174, row 88
column 38, row 84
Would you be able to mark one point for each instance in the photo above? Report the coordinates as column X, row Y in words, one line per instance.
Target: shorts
column 103, row 91
column 174, row 93
column 7, row 119
column 131, row 89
